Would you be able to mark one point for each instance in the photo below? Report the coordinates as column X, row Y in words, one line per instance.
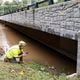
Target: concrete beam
column 78, row 54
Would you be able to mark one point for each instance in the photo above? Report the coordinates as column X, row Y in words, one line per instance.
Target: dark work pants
column 13, row 60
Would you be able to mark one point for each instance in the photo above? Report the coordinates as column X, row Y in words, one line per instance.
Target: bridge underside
column 66, row 46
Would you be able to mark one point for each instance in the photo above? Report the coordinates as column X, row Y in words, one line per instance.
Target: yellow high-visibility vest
column 14, row 51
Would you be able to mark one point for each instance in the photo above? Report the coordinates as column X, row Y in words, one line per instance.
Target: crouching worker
column 15, row 52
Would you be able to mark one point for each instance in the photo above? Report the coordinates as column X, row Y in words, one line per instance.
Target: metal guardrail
column 33, row 6
column 36, row 5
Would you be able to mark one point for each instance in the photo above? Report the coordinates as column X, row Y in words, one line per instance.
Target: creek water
column 38, row 52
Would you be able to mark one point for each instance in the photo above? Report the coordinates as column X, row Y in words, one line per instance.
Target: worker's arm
column 23, row 54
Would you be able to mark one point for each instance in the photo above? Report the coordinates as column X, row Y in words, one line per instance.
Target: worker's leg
column 21, row 59
column 6, row 60
column 13, row 60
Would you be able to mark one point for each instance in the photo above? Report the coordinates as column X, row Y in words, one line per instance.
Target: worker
column 16, row 51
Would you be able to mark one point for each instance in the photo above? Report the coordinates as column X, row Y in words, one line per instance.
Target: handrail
column 35, row 5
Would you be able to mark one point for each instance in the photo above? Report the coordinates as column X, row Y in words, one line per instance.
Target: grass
column 28, row 71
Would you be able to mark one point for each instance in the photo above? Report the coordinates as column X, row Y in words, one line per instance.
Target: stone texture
column 58, row 16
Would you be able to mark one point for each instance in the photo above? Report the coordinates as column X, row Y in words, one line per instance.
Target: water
column 39, row 52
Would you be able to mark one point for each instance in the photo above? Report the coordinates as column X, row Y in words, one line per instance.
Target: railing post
column 36, row 5
column 27, row 7
column 66, row 0
column 78, row 53
column 50, row 2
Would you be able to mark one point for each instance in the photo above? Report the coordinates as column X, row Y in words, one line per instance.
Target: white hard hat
column 22, row 43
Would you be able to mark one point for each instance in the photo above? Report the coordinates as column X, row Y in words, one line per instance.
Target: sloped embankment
column 28, row 71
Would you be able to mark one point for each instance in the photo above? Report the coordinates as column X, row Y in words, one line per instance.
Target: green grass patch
column 28, row 71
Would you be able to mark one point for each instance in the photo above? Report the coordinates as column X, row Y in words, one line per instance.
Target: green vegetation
column 43, row 4
column 28, row 71
column 1, row 1
column 58, row 1
column 9, row 7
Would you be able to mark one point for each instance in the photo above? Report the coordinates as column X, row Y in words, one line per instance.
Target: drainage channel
column 37, row 51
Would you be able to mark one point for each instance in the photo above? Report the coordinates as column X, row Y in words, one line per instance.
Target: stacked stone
column 62, row 19
column 29, row 17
